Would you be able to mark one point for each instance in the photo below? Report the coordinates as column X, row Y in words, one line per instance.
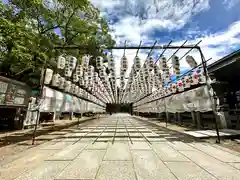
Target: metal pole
column 165, row 106
column 43, row 73
column 213, row 98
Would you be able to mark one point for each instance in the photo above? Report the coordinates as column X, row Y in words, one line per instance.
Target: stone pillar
column 179, row 118
column 175, row 118
column 198, row 119
column 193, row 118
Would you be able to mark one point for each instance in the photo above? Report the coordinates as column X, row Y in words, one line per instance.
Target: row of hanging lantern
column 105, row 78
column 169, row 87
column 77, row 76
column 142, row 81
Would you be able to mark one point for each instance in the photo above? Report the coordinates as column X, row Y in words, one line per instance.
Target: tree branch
column 67, row 24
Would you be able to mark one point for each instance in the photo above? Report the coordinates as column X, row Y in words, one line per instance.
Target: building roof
column 225, row 61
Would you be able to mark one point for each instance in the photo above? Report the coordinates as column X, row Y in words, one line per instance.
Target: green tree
column 28, row 34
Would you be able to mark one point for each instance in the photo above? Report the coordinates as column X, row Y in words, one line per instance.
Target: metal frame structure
column 164, row 48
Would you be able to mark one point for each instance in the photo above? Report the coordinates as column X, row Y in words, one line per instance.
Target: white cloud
column 136, row 19
column 230, row 3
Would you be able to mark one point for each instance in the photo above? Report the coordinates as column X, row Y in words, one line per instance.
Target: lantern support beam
column 177, row 50
column 189, row 51
column 163, row 51
column 169, row 82
column 129, row 47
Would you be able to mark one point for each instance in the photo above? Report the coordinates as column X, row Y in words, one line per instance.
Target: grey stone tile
column 149, row 166
column 178, row 145
column 236, row 165
column 157, row 139
column 135, row 134
column 217, row 168
column 116, row 170
column 118, row 151
column 217, row 153
column 58, row 145
column 107, row 134
column 85, row 166
column 189, row 171
column 121, row 134
column 167, row 153
column 45, row 171
column 98, row 145
column 30, row 161
column 69, row 153
column 139, row 145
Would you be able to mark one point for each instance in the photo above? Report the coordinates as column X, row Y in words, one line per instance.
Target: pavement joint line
column 133, row 164
column 164, row 163
column 101, row 162
column 141, row 134
column 115, row 132
column 128, row 135
column 195, row 163
column 99, row 134
column 211, row 155
column 84, row 136
column 165, row 128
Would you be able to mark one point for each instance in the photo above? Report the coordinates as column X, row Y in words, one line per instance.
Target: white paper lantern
column 111, row 62
column 180, row 85
column 67, row 70
column 137, row 63
column 68, row 85
column 61, row 62
column 48, row 76
column 79, row 71
column 56, row 80
column 150, row 63
column 85, row 61
column 176, row 65
column 75, row 77
column 124, row 63
column 72, row 90
column 99, row 62
column 62, row 83
column 76, row 90
column 72, row 62
column 191, row 61
column 187, row 81
column 195, row 78
column 163, row 63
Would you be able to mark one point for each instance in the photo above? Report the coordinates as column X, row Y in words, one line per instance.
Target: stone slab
column 167, row 153
column 139, row 145
column 116, row 170
column 69, row 153
column 216, row 153
column 98, row 145
column 217, row 168
column 30, row 161
column 85, row 166
column 189, row 171
column 236, row 165
column 118, row 151
column 58, row 145
column 178, row 145
column 46, row 171
column 149, row 166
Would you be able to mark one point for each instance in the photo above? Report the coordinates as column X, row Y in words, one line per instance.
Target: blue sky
column 215, row 22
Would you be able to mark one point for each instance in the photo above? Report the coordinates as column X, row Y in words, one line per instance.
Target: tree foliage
column 30, row 29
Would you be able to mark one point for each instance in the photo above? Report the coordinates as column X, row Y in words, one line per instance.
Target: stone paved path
column 121, row 148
